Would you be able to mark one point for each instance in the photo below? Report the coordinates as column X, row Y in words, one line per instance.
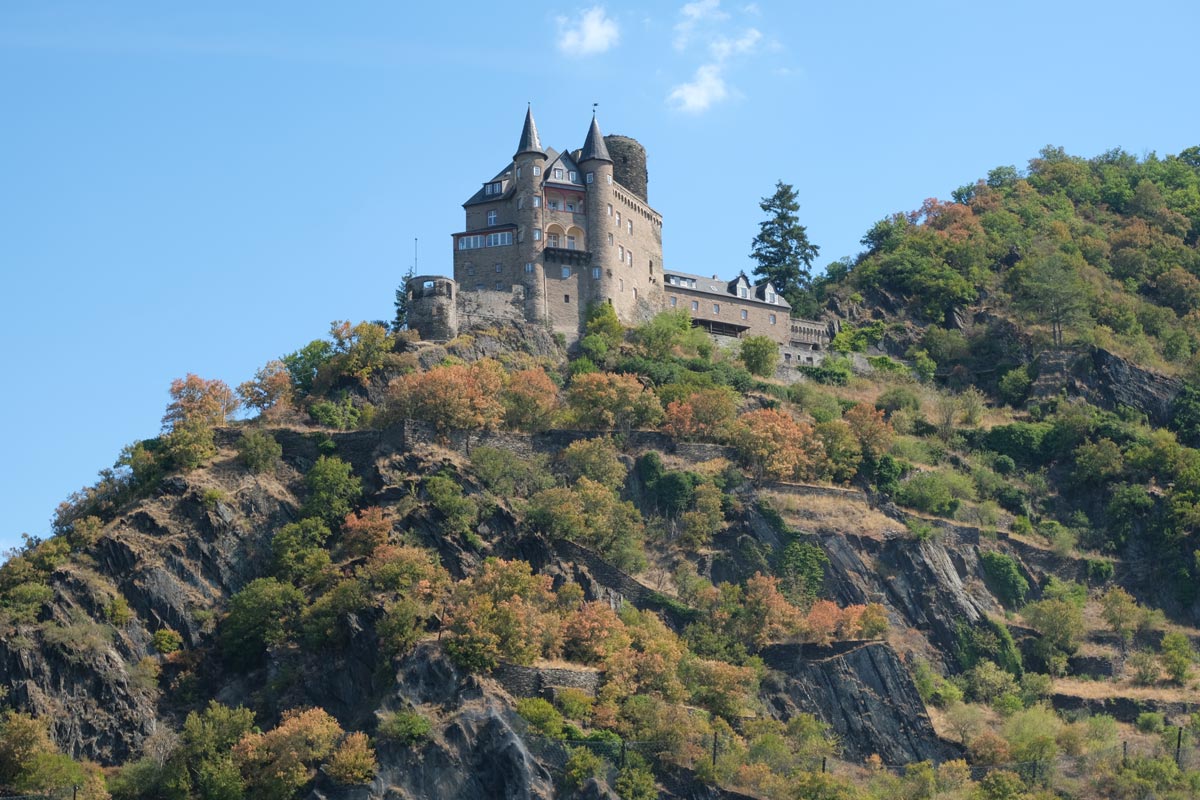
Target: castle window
column 537, row 171
column 571, row 207
column 770, row 298
column 557, row 174
column 741, row 291
column 552, row 240
column 618, row 219
column 470, row 242
column 609, row 179
column 674, row 300
column 570, row 242
column 554, row 204
column 499, row 268
column 695, row 305
column 493, row 188
column 566, row 272
column 529, row 266
column 479, row 287
column 622, row 284
column 537, row 202
column 631, row 258
column 566, row 298
column 573, row 176
column 596, row 273
column 716, row 308
column 610, row 209
column 518, row 172
column 772, row 319
column 499, row 239
column 427, row 285
column 635, row 293
column 492, row 215
column 610, row 240
column 537, row 234
column 591, row 176
column 470, row 269
column 744, row 314
column 630, row 223
column 621, row 251
column 499, row 286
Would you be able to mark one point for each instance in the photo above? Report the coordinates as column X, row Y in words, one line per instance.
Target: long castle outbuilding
column 553, row 233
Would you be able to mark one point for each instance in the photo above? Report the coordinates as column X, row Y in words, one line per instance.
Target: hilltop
column 958, row 557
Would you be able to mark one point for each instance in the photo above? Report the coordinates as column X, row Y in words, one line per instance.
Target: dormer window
column 742, row 291
column 493, row 188
column 573, row 176
column 770, row 297
column 558, row 173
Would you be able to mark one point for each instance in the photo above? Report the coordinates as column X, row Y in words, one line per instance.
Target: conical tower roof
column 529, row 137
column 594, row 148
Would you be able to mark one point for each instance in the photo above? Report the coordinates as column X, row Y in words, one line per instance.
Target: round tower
column 629, row 164
column 597, row 167
column 432, row 307
column 528, row 164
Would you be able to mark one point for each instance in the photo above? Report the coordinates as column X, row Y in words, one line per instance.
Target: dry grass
column 825, row 514
column 1100, row 690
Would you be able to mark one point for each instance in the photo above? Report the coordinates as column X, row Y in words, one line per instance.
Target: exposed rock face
column 1107, row 380
column 864, row 693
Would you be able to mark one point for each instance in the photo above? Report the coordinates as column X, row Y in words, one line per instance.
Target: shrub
column 1145, row 668
column 117, row 611
column 458, row 511
column 332, row 490
column 574, row 703
column 596, row 459
column 1177, row 656
column 582, row 765
column 341, row 414
column 897, row 398
column 189, row 444
column 297, row 550
column 936, row 492
column 353, row 762
column 404, row 727
column 760, row 354
column 1004, row 577
column 260, row 616
column 543, row 717
column 1014, row 386
column 1151, row 722
column 167, row 640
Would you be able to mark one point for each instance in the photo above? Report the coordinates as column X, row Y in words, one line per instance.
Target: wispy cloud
column 594, row 33
column 694, row 15
column 705, row 88
column 705, row 23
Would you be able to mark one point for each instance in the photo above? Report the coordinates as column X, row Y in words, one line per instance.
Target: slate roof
column 727, row 289
column 529, row 136
column 594, row 147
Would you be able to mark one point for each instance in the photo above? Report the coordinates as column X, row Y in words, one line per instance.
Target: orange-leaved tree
column 530, row 399
column 196, row 400
column 270, row 391
column 874, row 433
column 705, row 414
column 774, row 445
column 610, row 401
column 452, row 397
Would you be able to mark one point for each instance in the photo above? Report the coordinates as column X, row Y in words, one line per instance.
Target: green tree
column 781, row 249
column 1177, row 656
column 400, row 320
column 333, row 489
column 297, row 548
column 760, row 354
column 260, row 616
column 1052, row 290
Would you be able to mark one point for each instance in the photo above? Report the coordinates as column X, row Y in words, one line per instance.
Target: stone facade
column 554, row 232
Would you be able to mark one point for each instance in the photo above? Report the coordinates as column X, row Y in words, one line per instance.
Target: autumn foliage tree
column 530, row 400
column 874, row 433
column 270, row 391
column 774, row 445
column 452, row 397
column 705, row 414
column 364, row 531
column 612, row 402
column 194, row 399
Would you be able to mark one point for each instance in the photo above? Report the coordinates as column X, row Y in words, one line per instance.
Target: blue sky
column 203, row 187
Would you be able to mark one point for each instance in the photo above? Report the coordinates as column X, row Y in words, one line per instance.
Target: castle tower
column 528, row 165
column 432, row 307
column 597, row 169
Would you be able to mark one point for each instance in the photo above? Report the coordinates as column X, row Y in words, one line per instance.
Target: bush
column 1151, row 722
column 353, row 762
column 543, row 717
column 760, row 355
column 260, row 616
column 597, row 459
column 458, row 511
column 937, row 492
column 1004, row 578
column 333, row 489
column 341, row 414
column 1014, row 386
column 582, row 765
column 167, row 640
column 404, row 727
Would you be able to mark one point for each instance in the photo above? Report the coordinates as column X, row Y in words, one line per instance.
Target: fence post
column 1124, row 754
column 823, row 760
column 1179, row 747
column 714, row 753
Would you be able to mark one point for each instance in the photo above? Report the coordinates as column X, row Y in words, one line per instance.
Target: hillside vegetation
column 951, row 561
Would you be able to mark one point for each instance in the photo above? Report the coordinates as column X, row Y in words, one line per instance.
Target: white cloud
column 705, row 88
column 723, row 48
column 694, row 14
column 595, row 33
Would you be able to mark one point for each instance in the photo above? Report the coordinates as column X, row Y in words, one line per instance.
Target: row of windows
column 476, row 241
column 716, row 309
column 536, row 171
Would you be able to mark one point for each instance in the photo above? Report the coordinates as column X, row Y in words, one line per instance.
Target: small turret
column 530, row 144
column 594, row 148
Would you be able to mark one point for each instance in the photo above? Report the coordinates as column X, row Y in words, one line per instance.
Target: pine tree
column 782, row 249
column 401, row 321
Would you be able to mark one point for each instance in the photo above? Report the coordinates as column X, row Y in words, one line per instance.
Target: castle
column 554, row 232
